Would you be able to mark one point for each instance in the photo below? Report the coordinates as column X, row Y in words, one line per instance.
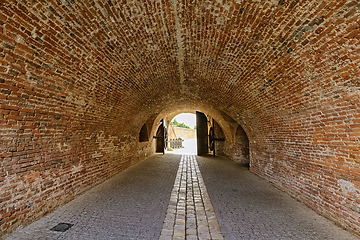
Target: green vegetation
column 176, row 123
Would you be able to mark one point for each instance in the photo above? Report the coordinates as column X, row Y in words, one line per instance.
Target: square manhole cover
column 62, row 227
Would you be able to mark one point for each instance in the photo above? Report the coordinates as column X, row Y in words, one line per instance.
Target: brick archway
column 79, row 79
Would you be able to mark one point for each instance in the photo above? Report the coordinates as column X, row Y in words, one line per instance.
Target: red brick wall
column 78, row 80
column 313, row 155
column 49, row 155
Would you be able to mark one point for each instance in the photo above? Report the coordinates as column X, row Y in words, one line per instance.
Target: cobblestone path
column 249, row 208
column 131, row 205
column 190, row 214
column 168, row 197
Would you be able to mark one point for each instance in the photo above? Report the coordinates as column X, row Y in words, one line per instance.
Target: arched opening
column 207, row 132
column 144, row 135
column 182, row 133
column 241, row 147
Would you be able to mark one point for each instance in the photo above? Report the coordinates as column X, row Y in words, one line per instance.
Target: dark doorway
column 161, row 138
column 202, row 134
column 143, row 135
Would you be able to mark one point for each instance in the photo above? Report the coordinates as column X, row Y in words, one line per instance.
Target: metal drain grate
column 62, row 227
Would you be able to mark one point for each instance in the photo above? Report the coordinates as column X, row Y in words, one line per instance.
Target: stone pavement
column 143, row 202
column 131, row 205
column 190, row 214
column 248, row 207
column 190, row 147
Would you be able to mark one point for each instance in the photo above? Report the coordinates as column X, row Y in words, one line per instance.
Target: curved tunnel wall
column 79, row 79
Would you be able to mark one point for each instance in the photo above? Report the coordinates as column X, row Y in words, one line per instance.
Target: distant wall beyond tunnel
column 179, row 132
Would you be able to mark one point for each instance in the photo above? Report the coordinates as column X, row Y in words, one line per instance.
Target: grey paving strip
column 190, row 214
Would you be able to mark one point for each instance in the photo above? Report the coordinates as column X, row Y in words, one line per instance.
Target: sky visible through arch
column 187, row 118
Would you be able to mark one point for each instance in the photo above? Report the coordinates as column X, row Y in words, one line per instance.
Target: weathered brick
column 280, row 79
column 14, row 117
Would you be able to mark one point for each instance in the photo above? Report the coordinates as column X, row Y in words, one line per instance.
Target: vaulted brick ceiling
column 245, row 58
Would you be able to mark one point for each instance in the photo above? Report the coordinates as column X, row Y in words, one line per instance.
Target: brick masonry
column 79, row 79
column 175, row 132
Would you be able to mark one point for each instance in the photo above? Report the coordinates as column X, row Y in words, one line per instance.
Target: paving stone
column 131, row 205
column 135, row 205
column 191, row 237
column 249, row 207
column 193, row 201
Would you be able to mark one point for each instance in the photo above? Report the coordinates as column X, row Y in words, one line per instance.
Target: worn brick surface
column 79, row 79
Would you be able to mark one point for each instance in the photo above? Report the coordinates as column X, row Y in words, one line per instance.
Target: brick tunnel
column 84, row 86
